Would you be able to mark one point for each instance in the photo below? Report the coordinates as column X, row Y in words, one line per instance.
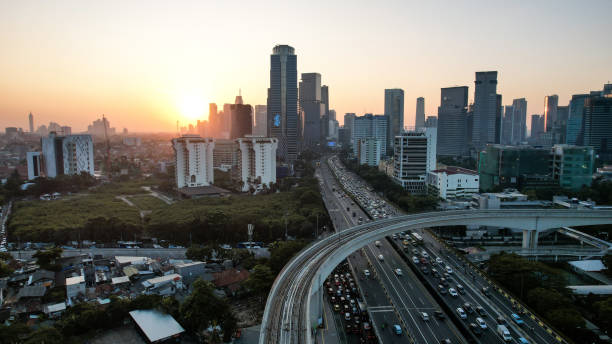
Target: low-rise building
column 164, row 285
column 192, row 271
column 42, row 277
column 453, row 183
column 75, row 286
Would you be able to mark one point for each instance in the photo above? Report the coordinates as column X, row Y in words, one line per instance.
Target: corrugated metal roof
column 156, row 325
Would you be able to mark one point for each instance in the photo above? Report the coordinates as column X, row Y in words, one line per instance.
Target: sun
column 192, row 106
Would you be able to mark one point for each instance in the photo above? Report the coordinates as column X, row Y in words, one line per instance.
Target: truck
column 504, row 333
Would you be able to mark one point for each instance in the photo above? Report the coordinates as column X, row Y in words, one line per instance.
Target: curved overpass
column 294, row 302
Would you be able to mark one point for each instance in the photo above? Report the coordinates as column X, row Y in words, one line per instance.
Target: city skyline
column 72, row 62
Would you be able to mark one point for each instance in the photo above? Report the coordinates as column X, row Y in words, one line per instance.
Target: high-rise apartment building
column 394, row 110
column 256, row 165
column 194, row 161
column 35, row 165
column 325, row 116
column 414, row 156
column 550, row 111
column 431, row 122
column 572, row 166
column 419, row 119
column 369, row 151
column 369, row 126
column 487, row 114
column 283, row 101
column 261, row 120
column 67, row 155
column 452, row 121
column 506, row 129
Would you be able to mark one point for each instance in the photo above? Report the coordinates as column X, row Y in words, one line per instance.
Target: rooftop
column 120, row 280
column 75, row 280
column 588, row 265
column 156, row 280
column 130, row 260
column 229, row 277
column 156, row 325
column 456, row 170
column 31, row 291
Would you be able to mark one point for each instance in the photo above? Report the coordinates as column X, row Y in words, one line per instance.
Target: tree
column 46, row 335
column 604, row 312
column 47, row 259
column 282, row 251
column 565, row 318
column 200, row 253
column 260, row 280
column 202, row 308
column 543, row 300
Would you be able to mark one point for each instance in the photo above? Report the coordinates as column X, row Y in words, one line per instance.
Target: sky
column 147, row 64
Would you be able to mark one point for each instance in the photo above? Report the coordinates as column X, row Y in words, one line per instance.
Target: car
column 476, row 329
column 398, row 272
column 435, row 272
column 415, row 260
column 500, row 320
column 337, row 307
column 366, row 273
column 486, row 292
column 425, row 270
column 445, row 341
column 453, row 292
column 461, row 313
column 517, row 319
column 468, row 307
column 442, row 289
column 460, row 289
column 342, row 300
column 397, row 329
column 425, row 316
column 330, row 291
column 439, row 260
column 381, row 258
column 394, row 236
column 415, row 251
column 377, row 243
column 481, row 311
column 444, row 282
column 522, row 340
column 339, row 292
column 424, row 254
column 367, row 326
column 355, row 310
column 448, row 269
column 439, row 315
column 481, row 323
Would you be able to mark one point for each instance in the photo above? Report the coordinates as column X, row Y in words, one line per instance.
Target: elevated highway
column 293, row 304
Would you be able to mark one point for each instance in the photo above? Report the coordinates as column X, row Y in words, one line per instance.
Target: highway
column 495, row 306
column 404, row 293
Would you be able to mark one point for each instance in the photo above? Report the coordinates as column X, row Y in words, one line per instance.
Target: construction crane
column 108, row 161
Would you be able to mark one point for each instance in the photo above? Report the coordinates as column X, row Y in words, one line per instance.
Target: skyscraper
column 325, row 116
column 241, row 119
column 419, row 121
column 574, row 120
column 506, row 130
column 550, row 111
column 597, row 125
column 31, row 120
column 261, row 120
column 349, row 123
column 498, row 118
column 537, row 125
column 311, row 107
column 484, row 128
column 194, row 161
column 283, row 102
column 519, row 121
column 452, row 121
column 394, row 110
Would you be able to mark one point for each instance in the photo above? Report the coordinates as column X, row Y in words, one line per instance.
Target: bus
column 417, row 238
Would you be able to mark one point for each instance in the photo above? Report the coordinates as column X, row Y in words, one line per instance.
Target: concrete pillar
column 316, row 306
column 530, row 238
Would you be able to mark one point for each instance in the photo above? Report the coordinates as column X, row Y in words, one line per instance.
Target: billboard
column 276, row 120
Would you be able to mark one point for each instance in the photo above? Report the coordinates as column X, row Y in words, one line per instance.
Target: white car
column 449, row 270
column 415, row 260
column 377, row 243
column 481, row 323
column 366, row 273
column 452, row 292
column 380, row 257
column 439, row 260
column 425, row 316
column 398, row 272
column 424, row 254
column 461, row 313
